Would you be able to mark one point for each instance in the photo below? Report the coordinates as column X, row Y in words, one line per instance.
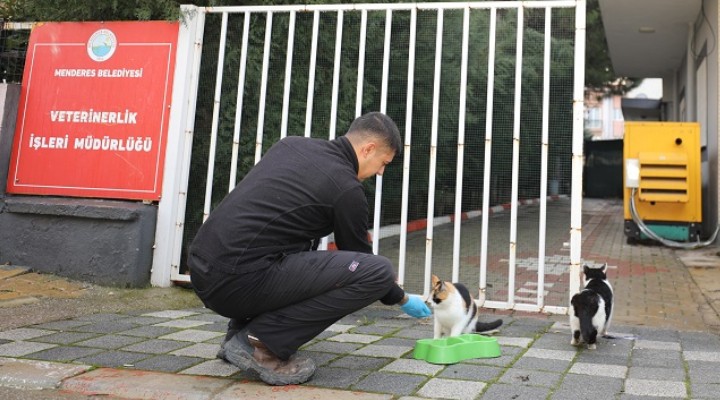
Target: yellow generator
column 662, row 181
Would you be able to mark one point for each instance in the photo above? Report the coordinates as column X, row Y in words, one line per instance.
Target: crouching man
column 254, row 259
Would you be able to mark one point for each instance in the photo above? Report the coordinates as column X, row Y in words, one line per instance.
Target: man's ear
column 368, row 148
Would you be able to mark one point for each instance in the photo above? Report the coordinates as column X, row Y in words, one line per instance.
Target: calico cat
column 455, row 311
column 591, row 309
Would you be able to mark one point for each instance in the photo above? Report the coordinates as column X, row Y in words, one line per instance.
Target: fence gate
column 487, row 95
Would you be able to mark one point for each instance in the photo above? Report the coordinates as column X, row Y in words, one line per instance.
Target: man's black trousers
column 295, row 298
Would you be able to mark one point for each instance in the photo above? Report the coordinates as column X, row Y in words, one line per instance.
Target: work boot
column 488, row 327
column 248, row 352
column 234, row 326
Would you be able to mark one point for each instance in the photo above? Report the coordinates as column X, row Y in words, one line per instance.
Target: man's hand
column 416, row 307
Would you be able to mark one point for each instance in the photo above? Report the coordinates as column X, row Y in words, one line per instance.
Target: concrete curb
column 134, row 384
column 36, row 375
column 388, row 231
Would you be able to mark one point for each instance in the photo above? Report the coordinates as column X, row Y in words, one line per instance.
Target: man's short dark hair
column 378, row 125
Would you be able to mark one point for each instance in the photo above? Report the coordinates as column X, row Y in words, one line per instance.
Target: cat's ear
column 435, row 280
column 586, row 269
column 604, row 268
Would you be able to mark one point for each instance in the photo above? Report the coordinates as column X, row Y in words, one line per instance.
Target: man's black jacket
column 301, row 190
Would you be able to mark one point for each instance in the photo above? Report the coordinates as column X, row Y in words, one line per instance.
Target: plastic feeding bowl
column 455, row 349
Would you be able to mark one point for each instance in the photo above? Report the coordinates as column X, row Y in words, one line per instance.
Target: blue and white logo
column 102, row 45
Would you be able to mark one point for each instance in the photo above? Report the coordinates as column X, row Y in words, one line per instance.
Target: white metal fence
column 281, row 70
column 13, row 42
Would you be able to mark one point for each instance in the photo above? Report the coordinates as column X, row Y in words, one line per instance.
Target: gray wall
column 706, row 37
column 9, row 98
column 107, row 242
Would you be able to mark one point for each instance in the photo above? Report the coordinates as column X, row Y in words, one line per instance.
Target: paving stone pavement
column 665, row 344
column 155, row 354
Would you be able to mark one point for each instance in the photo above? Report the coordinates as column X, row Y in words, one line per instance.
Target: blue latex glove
column 416, row 307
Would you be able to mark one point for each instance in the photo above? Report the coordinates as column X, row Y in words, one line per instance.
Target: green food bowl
column 454, row 349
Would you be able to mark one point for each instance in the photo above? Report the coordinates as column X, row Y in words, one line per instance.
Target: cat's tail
column 585, row 315
column 486, row 327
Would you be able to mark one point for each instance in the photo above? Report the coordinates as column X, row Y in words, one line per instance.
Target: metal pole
column 433, row 153
column 406, row 151
column 488, row 150
column 544, row 159
column 263, row 87
column 383, row 109
column 311, row 79
column 361, row 64
column 397, row 6
column 239, row 102
column 515, row 157
column 336, row 75
column 171, row 209
column 461, row 145
column 215, row 118
column 288, row 75
column 577, row 144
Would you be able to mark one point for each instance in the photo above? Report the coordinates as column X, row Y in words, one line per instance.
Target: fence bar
column 334, row 99
column 361, row 64
column 397, row 6
column 336, row 75
column 311, row 78
column 555, row 310
column 288, row 75
column 497, row 304
column 488, row 151
column 383, row 109
column 170, row 225
column 239, row 102
column 515, row 158
column 263, row 87
column 215, row 118
column 461, row 145
column 527, row 308
column 577, row 144
column 406, row 149
column 386, row 62
column 433, row 152
column 18, row 26
column 544, row 159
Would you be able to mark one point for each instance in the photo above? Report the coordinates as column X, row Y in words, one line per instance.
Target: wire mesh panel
column 14, row 38
column 483, row 93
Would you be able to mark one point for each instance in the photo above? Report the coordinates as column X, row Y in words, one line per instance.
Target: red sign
column 94, row 108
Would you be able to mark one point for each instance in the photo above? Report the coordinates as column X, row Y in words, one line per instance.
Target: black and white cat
column 455, row 310
column 592, row 308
